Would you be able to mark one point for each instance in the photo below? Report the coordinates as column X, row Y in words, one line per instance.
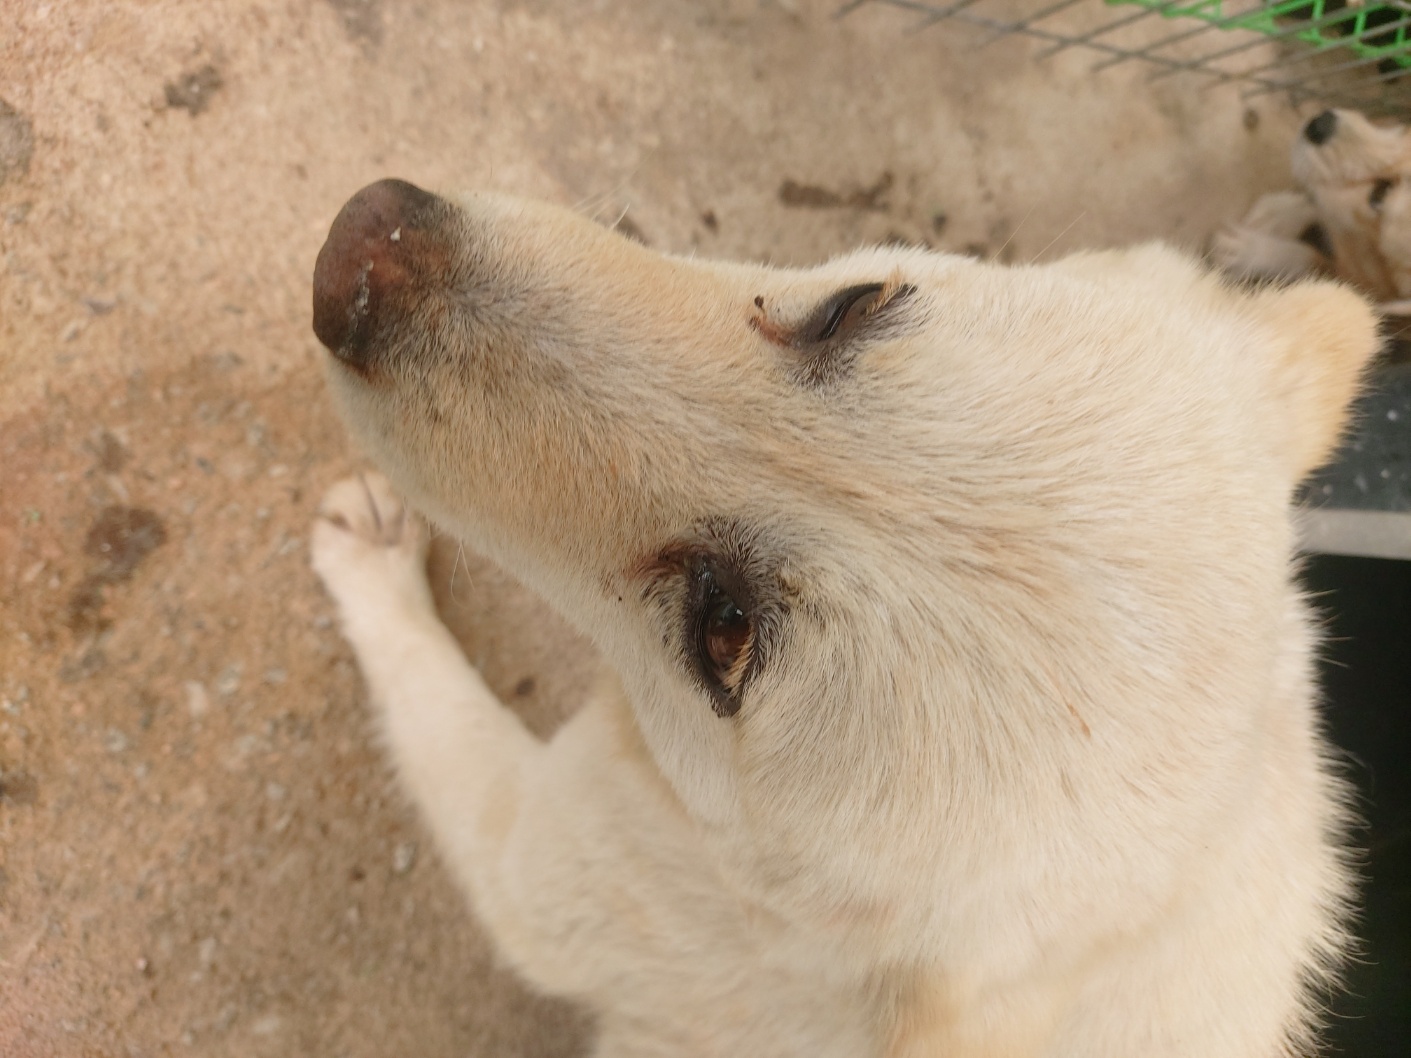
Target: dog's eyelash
column 894, row 289
column 837, row 318
column 851, row 307
column 827, row 341
column 854, row 299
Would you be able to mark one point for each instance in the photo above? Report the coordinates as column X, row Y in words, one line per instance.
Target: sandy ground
column 201, row 850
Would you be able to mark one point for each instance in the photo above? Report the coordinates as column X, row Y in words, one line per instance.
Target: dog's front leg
column 461, row 754
column 1247, row 253
column 574, row 853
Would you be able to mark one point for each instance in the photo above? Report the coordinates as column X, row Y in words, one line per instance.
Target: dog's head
column 905, row 559
column 1359, row 175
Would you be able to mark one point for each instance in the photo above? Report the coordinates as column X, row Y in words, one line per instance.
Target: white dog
column 967, row 701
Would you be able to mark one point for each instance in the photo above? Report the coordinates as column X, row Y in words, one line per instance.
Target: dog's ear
column 1324, row 337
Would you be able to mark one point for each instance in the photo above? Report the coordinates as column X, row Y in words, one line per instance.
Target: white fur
column 1032, row 767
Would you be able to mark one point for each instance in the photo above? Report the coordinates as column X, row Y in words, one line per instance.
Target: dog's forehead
column 527, row 242
column 978, row 342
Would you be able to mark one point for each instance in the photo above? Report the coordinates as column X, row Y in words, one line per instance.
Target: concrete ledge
column 1368, row 534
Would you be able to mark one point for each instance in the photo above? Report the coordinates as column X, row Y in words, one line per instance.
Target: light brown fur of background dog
column 1025, row 757
column 1356, row 197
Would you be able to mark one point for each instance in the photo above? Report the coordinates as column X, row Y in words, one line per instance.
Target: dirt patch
column 120, row 539
column 18, row 788
column 16, row 142
column 192, row 91
column 362, row 19
column 811, row 196
column 117, row 542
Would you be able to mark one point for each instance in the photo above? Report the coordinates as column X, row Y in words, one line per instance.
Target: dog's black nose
column 1320, row 130
column 383, row 248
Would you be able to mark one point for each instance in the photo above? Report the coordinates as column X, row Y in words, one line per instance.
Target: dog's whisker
column 592, row 207
column 593, row 204
column 1022, row 221
column 1060, row 235
column 455, row 567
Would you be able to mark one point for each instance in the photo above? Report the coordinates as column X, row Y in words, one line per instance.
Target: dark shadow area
column 1367, row 677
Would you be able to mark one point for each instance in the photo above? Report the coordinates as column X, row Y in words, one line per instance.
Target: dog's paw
column 1232, row 251
column 368, row 548
column 1245, row 253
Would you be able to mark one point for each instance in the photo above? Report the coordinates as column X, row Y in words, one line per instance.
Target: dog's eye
column 723, row 635
column 845, row 309
column 1379, row 193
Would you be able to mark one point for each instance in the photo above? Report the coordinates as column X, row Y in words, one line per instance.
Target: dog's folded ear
column 1325, row 335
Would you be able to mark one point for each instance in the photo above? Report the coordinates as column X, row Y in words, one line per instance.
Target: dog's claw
column 356, row 546
column 371, row 503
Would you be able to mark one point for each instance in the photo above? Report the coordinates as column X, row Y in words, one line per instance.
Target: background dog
column 966, row 701
column 1352, row 218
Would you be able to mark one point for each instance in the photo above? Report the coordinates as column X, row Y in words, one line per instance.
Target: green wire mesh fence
column 1340, row 52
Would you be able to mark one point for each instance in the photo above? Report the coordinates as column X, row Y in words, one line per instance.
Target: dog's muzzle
column 383, row 251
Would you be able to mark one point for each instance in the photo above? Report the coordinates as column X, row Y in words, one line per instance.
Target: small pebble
column 228, row 682
column 403, row 856
column 198, row 703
